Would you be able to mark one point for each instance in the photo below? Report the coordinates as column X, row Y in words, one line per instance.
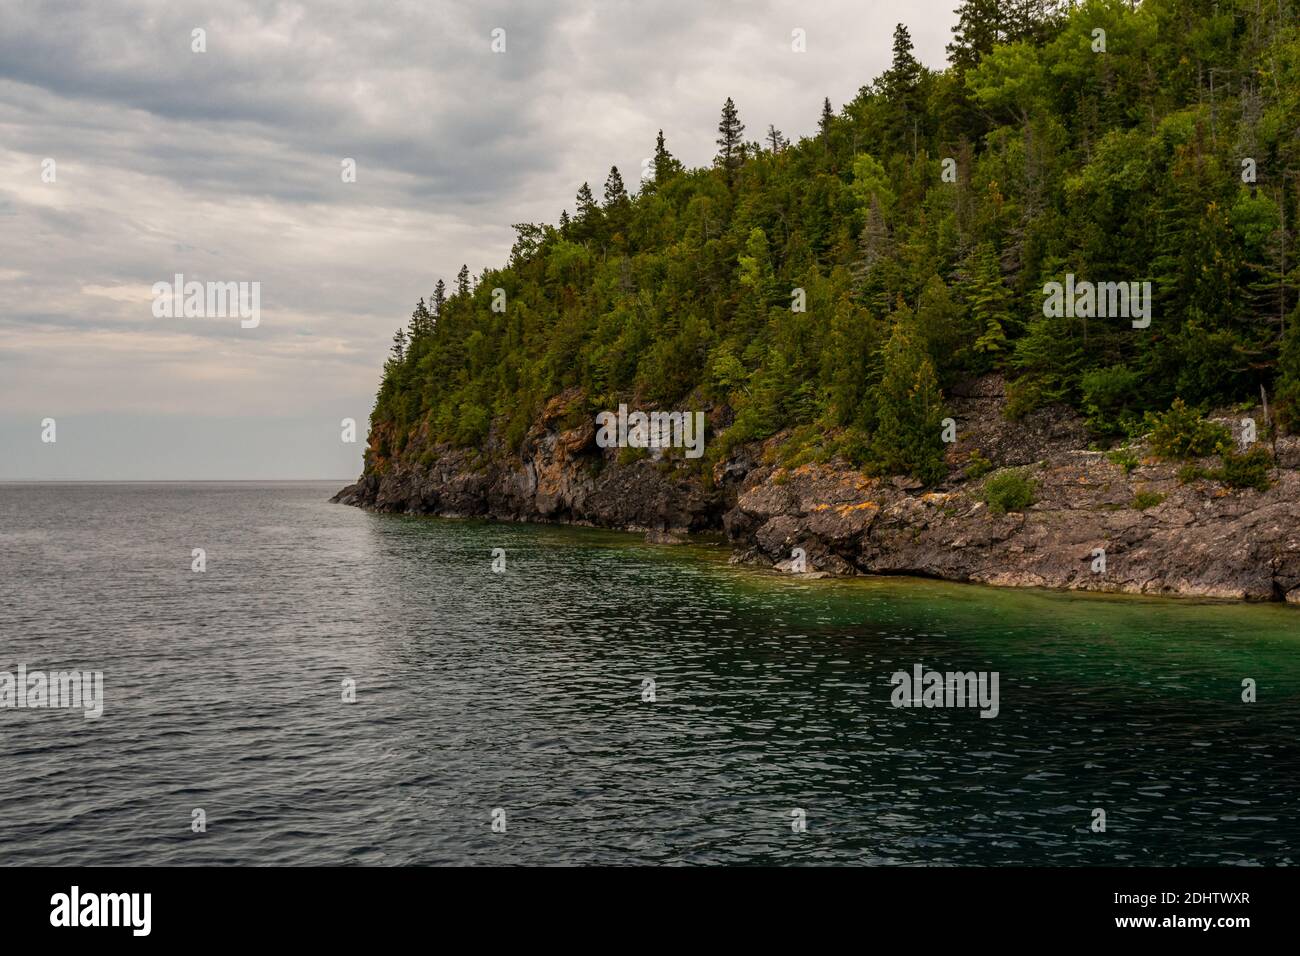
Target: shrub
column 1147, row 499
column 1182, row 432
column 977, row 466
column 1107, row 395
column 1125, row 458
column 1248, row 470
column 1010, row 490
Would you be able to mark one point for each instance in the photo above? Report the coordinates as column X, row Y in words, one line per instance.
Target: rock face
column 1199, row 539
column 558, row 474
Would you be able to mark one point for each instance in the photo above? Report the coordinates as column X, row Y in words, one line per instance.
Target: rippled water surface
column 523, row 691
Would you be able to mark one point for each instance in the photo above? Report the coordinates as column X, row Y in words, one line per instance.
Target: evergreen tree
column 979, row 27
column 824, row 124
column 586, row 204
column 462, row 281
column 775, row 140
column 615, row 191
column 439, row 300
column 989, row 301
column 664, row 163
column 905, row 72
column 909, row 408
column 730, row 142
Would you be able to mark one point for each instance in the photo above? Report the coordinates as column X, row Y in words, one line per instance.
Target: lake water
column 522, row 691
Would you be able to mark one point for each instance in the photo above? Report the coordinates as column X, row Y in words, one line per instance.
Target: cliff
column 1159, row 534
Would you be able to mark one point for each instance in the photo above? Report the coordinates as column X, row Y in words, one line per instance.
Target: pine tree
column 664, row 163
column 398, row 351
column 990, row 302
column 905, row 72
column 979, row 27
column 615, row 191
column 420, row 325
column 586, row 204
column 824, row 124
column 462, row 281
column 908, row 438
column 776, row 142
column 564, row 220
column 439, row 299
column 730, row 144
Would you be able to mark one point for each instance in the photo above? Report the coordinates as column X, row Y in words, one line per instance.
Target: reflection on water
column 523, row 691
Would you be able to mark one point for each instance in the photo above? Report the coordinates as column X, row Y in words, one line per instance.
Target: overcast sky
column 225, row 165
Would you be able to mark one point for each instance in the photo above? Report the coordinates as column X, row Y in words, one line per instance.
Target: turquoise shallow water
column 523, row 691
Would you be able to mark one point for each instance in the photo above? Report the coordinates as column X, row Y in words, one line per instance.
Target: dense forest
column 832, row 290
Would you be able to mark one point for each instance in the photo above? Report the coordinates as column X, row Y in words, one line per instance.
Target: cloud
column 225, row 166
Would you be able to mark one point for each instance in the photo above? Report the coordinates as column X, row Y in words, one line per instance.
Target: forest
column 832, row 291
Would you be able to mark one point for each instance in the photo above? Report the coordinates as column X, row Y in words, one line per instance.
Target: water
column 522, row 691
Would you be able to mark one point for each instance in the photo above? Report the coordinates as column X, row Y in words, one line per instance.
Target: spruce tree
column 730, row 143
column 439, row 299
column 979, row 27
column 462, row 281
column 615, row 191
column 586, row 203
column 908, row 438
column 664, row 162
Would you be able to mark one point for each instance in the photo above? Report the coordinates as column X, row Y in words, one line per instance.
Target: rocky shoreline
column 1198, row 539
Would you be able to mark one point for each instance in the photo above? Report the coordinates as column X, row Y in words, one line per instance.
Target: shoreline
column 1094, row 524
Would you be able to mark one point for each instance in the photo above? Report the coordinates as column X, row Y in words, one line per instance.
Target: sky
column 128, row 157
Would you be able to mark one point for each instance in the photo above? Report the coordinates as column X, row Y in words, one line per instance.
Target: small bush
column 1009, row 490
column 1125, row 458
column 629, row 454
column 977, row 466
column 1147, row 499
column 1183, row 433
column 1248, row 470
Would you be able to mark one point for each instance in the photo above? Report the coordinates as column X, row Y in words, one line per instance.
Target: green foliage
column 1125, row 458
column 1117, row 167
column 1109, row 396
column 1247, row 469
column 1009, row 490
column 909, row 409
column 1182, row 432
column 977, row 466
column 1144, row 499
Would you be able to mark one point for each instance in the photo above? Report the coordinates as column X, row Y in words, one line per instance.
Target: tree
column 730, row 142
column 776, row 142
column 439, row 299
column 989, row 301
column 905, row 72
column 979, row 27
column 420, row 325
column 909, row 408
column 615, row 191
column 824, row 124
column 586, row 203
column 462, row 281
column 664, row 163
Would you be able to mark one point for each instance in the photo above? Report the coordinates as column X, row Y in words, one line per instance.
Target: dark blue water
column 522, row 691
